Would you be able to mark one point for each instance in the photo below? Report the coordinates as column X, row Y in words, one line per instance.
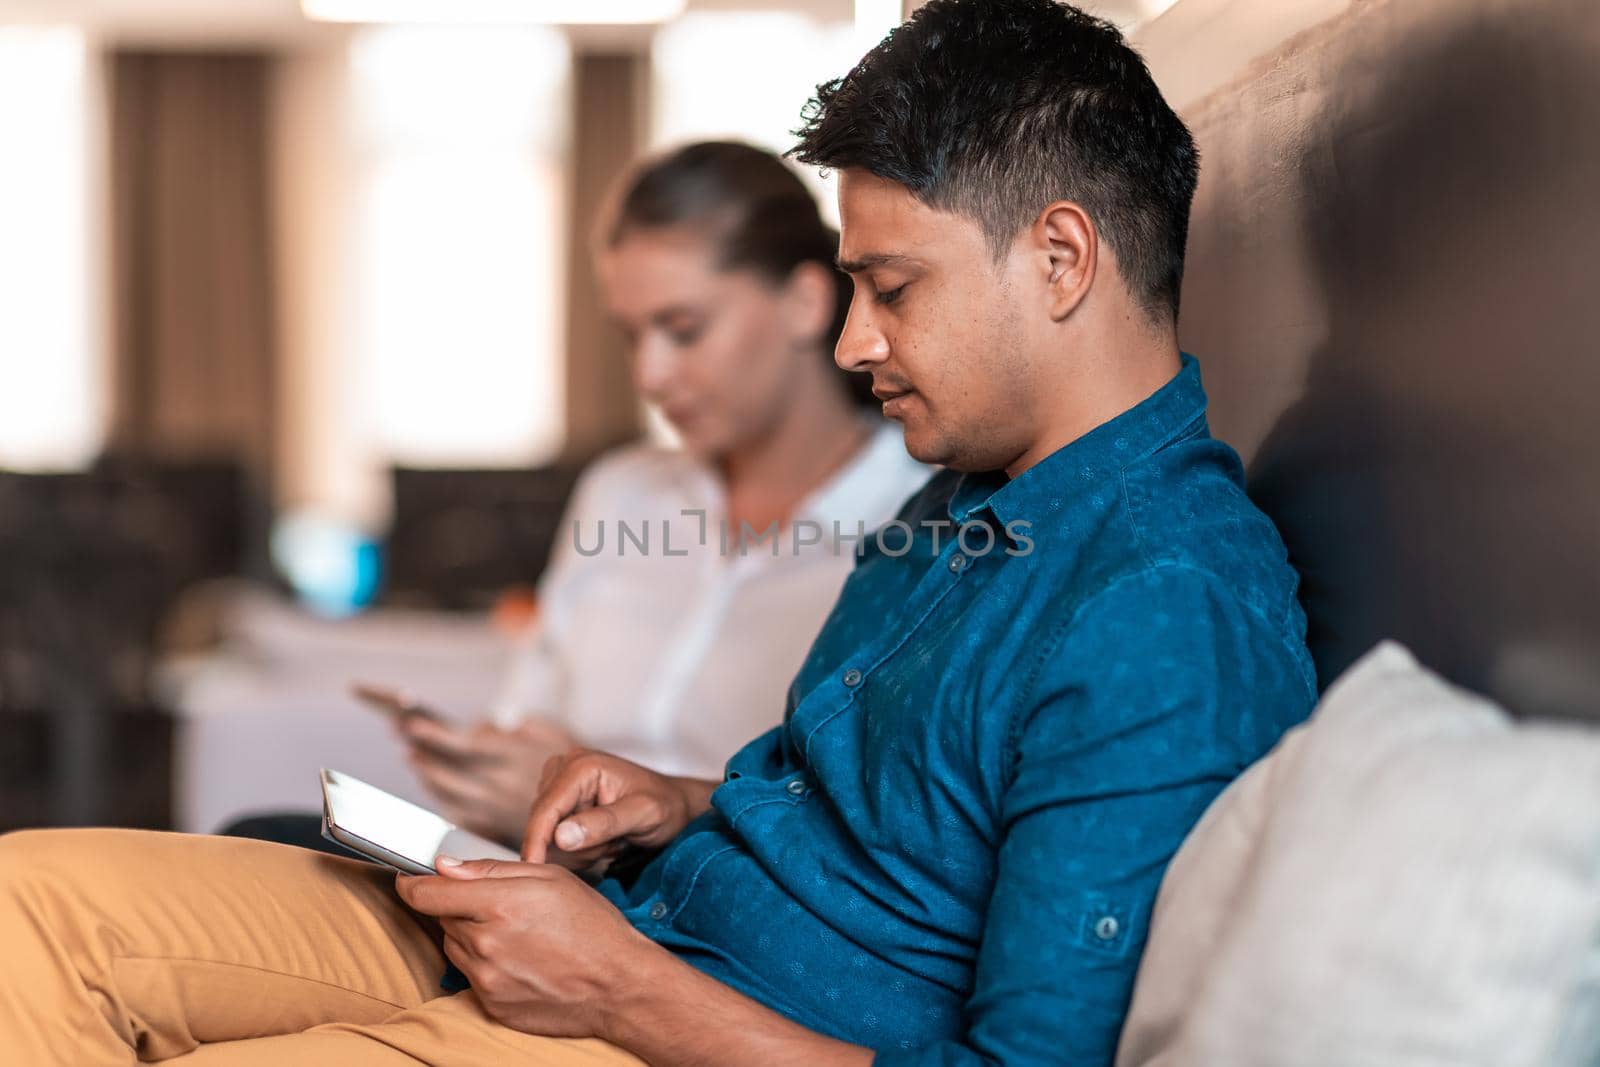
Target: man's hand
column 592, row 805
column 484, row 776
column 548, row 955
column 545, row 953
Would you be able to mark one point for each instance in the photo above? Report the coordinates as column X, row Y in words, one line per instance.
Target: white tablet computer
column 395, row 832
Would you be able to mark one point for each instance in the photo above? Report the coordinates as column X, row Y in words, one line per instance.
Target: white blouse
column 659, row 639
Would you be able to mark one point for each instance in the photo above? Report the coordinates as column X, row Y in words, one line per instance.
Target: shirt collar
column 1103, row 451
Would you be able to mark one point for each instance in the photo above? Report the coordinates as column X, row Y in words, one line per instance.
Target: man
column 1028, row 692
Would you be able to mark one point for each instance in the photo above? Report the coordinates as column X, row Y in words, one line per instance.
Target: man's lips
column 895, row 401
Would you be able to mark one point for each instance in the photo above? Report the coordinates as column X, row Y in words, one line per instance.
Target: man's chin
column 925, row 446
column 939, row 450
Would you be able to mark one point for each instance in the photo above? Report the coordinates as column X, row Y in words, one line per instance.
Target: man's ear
column 809, row 297
column 1066, row 236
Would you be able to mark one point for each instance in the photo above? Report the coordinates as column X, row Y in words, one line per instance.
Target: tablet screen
column 399, row 826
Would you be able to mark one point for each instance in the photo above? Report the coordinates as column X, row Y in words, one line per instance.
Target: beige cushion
column 1408, row 880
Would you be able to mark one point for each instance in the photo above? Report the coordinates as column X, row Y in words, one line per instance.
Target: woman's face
column 718, row 351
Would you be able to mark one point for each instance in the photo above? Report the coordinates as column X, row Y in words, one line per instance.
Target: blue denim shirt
column 949, row 850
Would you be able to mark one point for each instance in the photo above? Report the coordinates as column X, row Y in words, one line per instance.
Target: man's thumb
column 466, row 870
column 598, row 826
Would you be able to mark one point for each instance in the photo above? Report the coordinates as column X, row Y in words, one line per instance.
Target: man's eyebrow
column 867, row 262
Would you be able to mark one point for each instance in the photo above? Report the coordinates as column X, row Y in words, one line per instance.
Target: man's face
column 939, row 324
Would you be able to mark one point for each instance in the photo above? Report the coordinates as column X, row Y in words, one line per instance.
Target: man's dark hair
column 995, row 108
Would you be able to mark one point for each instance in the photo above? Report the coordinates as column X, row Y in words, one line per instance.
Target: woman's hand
column 591, row 806
column 484, row 776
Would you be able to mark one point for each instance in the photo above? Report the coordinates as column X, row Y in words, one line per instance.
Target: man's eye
column 683, row 338
column 889, row 296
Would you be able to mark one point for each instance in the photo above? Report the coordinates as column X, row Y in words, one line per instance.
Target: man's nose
column 862, row 344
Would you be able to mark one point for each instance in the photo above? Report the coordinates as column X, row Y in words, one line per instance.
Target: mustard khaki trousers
column 120, row 946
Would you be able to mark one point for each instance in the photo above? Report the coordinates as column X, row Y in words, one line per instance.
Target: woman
column 675, row 649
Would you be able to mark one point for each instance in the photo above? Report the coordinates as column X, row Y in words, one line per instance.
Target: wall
column 1391, row 286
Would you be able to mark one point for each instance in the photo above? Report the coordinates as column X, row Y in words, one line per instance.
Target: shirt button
column 1107, row 928
column 958, row 563
column 797, row 787
column 852, row 677
column 658, row 910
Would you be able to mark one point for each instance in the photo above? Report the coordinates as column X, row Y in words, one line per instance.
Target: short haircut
column 994, row 109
